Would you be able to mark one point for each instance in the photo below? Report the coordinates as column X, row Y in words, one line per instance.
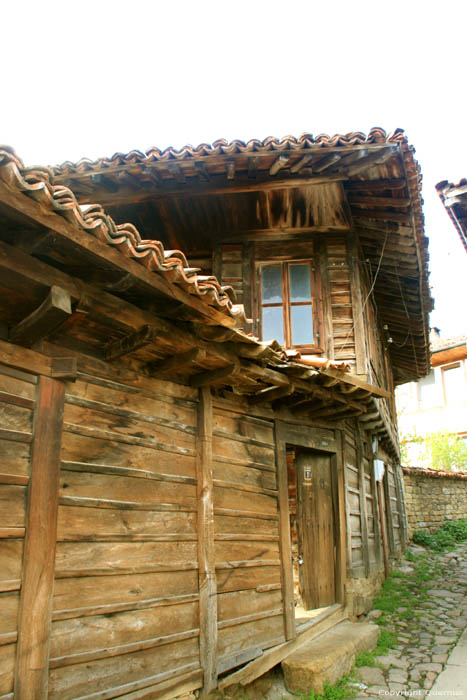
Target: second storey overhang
column 285, row 192
column 454, row 199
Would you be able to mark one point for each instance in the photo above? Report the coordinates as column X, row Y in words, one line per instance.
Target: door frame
column 299, row 435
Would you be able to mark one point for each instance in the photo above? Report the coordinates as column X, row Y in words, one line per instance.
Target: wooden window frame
column 287, row 305
column 445, row 368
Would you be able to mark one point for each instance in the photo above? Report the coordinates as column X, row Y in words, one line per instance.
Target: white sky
column 92, row 78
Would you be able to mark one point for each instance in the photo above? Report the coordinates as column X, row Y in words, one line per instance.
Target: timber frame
column 145, row 539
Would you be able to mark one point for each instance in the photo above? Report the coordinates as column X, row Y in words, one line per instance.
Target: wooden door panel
column 316, row 530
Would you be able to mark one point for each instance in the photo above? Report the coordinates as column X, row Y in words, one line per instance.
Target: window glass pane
column 273, row 324
column 271, row 284
column 302, row 325
column 300, row 283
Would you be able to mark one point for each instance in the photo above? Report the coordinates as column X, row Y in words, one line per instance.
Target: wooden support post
column 362, row 497
column 206, row 555
column 345, row 484
column 284, row 534
column 342, row 560
column 39, row 547
column 376, row 521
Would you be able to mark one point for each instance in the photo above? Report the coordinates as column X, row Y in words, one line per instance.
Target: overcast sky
column 92, row 78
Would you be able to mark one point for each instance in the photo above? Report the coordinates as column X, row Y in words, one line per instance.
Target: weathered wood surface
column 284, row 533
column 206, row 547
column 37, row 586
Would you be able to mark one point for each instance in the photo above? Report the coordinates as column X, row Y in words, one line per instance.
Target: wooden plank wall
column 250, row 615
column 17, row 403
column 363, row 546
column 125, row 607
column 338, row 276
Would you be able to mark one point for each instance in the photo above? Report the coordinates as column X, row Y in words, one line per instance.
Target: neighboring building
column 436, row 403
column 186, row 493
column 454, row 198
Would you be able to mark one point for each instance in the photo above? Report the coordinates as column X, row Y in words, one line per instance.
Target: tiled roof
column 224, row 147
column 454, row 198
column 445, row 343
column 38, row 183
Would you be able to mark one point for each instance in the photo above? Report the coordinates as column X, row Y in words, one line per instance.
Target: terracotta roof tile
column 224, row 147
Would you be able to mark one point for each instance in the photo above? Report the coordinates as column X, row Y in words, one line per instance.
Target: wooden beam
column 64, row 368
column 176, row 362
column 200, row 167
column 45, row 319
column 284, row 533
column 214, row 376
column 296, row 167
column 381, row 215
column 253, row 167
column 351, row 379
column 271, row 394
column 206, row 553
column 278, row 164
column 106, row 182
column 376, row 157
column 39, row 548
column 129, row 343
column 230, row 169
column 326, row 162
column 376, row 185
column 399, row 203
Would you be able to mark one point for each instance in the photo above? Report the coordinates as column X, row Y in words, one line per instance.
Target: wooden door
column 315, row 524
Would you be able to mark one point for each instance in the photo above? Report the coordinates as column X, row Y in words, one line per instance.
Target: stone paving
column 425, row 640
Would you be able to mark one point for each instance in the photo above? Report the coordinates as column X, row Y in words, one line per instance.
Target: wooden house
column 187, row 495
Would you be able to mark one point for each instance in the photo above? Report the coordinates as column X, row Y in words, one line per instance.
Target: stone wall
column 434, row 496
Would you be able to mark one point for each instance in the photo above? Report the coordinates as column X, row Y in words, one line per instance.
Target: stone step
column 328, row 657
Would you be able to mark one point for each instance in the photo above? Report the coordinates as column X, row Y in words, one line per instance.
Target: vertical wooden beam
column 342, row 535
column 362, row 497
column 217, row 262
column 328, row 341
column 345, row 482
column 284, row 533
column 357, row 304
column 248, row 257
column 206, row 556
column 39, row 547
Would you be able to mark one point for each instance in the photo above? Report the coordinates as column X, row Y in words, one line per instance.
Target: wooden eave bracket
column 53, row 311
column 64, row 368
column 176, row 362
column 129, row 343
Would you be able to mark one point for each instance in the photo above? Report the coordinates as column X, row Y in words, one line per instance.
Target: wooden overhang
column 72, row 286
column 287, row 189
column 454, row 199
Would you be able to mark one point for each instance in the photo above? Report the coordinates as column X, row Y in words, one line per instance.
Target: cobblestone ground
column 425, row 631
column 425, row 640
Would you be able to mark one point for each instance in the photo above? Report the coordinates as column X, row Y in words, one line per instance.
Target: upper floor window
column 454, row 383
column 287, row 309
